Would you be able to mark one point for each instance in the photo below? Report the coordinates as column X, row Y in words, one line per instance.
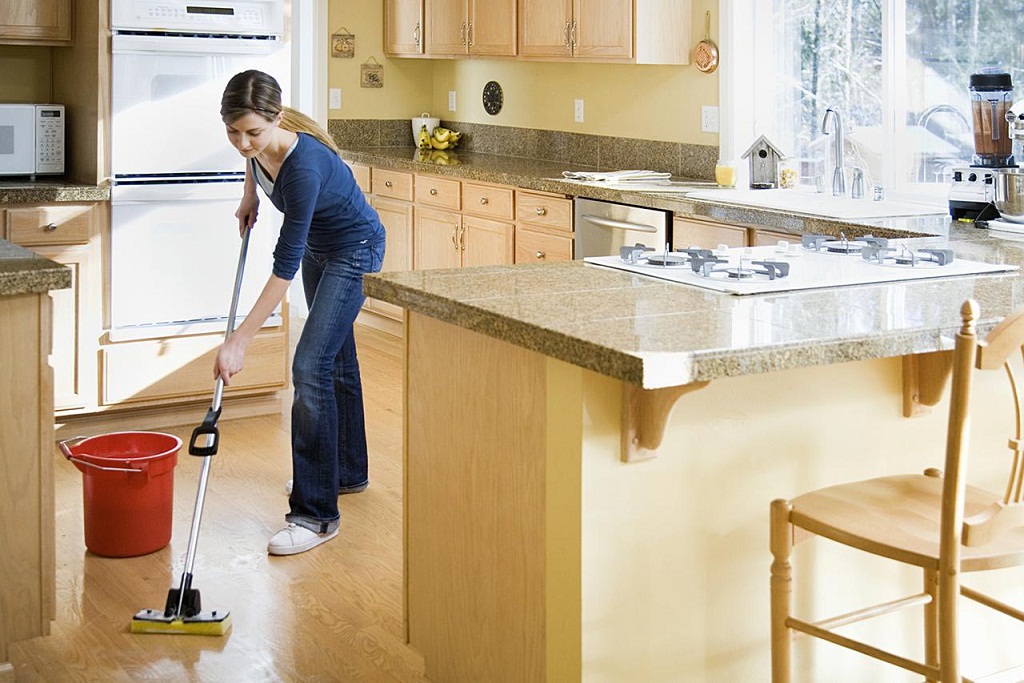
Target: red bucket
column 127, row 490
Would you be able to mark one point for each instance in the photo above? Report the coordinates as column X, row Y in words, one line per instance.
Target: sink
column 817, row 204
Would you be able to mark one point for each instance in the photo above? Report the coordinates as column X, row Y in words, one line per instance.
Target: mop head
column 214, row 623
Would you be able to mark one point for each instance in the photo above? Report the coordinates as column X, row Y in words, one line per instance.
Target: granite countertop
column 23, row 272
column 22, row 192
column 659, row 334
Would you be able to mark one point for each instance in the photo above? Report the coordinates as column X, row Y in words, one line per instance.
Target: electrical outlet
column 578, row 111
column 335, row 98
column 451, row 100
column 709, row 119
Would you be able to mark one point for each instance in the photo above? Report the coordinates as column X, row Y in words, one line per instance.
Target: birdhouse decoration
column 764, row 164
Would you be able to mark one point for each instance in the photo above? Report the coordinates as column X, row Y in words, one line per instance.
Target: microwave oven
column 31, row 139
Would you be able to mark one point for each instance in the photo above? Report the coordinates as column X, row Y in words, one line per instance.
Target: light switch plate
column 335, row 98
column 451, row 100
column 578, row 111
column 709, row 119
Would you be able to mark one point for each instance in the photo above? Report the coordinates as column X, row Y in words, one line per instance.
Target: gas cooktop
column 818, row 262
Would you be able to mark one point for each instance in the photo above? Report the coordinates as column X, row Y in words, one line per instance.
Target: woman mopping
column 337, row 237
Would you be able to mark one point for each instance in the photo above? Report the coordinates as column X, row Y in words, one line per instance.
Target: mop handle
column 209, row 429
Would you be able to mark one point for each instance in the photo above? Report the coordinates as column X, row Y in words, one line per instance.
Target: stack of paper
column 618, row 176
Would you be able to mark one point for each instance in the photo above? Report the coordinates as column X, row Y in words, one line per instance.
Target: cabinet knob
column 541, row 254
column 49, row 227
column 483, row 201
column 388, row 183
column 541, row 211
column 433, row 192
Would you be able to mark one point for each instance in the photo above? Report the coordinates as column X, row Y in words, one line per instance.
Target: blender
column 971, row 189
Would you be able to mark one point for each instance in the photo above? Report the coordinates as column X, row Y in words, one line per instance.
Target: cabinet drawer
column 539, row 247
column 434, row 190
column 693, row 233
column 41, row 225
column 550, row 211
column 394, row 184
column 489, row 201
column 182, row 367
column 361, row 172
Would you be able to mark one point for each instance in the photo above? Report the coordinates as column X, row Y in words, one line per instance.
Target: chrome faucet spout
column 833, row 117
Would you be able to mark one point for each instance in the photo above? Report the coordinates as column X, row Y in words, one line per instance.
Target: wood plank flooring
column 332, row 614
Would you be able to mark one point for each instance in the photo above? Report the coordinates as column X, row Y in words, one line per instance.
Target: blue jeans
column 328, row 429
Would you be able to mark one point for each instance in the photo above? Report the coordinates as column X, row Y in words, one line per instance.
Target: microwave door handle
column 619, row 225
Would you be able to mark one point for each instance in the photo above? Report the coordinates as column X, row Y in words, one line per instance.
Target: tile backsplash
column 576, row 150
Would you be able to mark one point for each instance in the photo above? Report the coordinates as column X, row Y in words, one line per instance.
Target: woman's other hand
column 246, row 214
column 229, row 361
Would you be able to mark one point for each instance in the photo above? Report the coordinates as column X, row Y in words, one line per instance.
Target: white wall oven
column 176, row 179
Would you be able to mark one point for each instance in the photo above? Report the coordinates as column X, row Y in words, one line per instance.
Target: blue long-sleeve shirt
column 323, row 206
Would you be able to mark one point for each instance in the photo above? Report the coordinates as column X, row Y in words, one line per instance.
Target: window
column 898, row 71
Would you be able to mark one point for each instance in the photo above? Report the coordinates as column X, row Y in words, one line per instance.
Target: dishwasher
column 603, row 227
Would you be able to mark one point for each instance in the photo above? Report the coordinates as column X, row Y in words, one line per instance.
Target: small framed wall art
column 343, row 44
column 371, row 74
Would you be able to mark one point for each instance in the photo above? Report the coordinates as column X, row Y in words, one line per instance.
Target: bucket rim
column 76, row 449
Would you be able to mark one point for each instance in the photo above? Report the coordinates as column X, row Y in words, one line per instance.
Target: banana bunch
column 440, row 139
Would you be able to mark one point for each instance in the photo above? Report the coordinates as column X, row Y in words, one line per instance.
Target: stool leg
column 931, row 620
column 781, row 591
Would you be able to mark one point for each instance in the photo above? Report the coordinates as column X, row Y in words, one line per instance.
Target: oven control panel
column 229, row 16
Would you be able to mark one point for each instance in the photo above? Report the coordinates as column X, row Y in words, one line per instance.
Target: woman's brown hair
column 256, row 92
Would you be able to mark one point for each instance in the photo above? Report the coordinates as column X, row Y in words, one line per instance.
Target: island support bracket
column 645, row 413
column 924, row 381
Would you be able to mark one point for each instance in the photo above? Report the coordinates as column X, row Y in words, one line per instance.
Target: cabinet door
column 403, row 27
column 486, row 243
column 447, row 24
column 544, row 28
column 35, row 21
column 492, row 27
column 436, row 239
column 74, row 365
column 603, row 29
column 767, row 238
column 397, row 219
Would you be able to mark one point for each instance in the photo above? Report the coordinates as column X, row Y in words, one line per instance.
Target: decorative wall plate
column 493, row 97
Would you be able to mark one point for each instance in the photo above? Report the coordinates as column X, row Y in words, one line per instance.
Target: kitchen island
column 591, row 454
column 27, row 567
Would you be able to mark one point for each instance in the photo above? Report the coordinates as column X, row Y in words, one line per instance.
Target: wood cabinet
column 544, row 229
column 35, row 22
column 761, row 238
column 455, row 224
column 638, row 31
column 403, row 28
column 68, row 234
column 28, row 569
column 391, row 194
column 470, row 27
column 691, row 232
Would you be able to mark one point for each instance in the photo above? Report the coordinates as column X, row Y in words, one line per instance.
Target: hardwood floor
column 332, row 614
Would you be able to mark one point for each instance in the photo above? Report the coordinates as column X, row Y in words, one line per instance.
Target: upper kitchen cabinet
column 35, row 22
column 629, row 31
column 470, row 27
column 403, row 28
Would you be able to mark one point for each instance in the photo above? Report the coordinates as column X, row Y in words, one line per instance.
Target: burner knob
column 973, row 177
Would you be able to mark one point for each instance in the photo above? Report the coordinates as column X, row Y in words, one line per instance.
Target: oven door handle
column 619, row 225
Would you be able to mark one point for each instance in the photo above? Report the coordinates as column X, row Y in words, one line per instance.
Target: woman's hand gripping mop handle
column 182, row 612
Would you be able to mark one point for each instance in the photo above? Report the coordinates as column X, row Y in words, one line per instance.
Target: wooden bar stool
column 934, row 521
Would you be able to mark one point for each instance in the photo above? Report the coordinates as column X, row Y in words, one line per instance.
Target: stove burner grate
column 830, row 244
column 667, row 260
column 706, row 264
column 908, row 258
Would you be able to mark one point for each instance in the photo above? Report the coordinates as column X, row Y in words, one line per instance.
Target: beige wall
column 25, row 74
column 635, row 101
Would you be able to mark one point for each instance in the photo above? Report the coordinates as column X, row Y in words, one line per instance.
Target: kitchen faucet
column 838, row 176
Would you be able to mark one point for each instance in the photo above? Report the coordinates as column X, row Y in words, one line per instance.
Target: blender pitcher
column 991, row 99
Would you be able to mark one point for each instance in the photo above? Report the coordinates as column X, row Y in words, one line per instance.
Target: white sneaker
column 294, row 539
column 288, row 487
